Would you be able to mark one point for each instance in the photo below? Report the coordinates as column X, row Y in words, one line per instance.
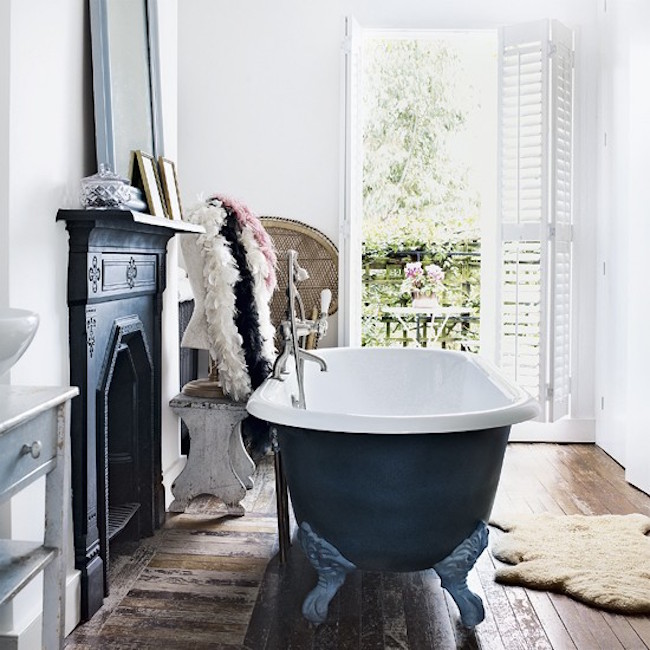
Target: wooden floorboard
column 214, row 582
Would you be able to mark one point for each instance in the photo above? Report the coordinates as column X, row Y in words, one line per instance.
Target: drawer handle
column 34, row 449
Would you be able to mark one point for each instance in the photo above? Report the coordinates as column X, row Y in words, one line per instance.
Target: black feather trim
column 246, row 314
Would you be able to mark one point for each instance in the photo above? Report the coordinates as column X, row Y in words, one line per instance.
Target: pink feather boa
column 248, row 219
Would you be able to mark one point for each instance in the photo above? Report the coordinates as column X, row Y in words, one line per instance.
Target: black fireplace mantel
column 116, row 279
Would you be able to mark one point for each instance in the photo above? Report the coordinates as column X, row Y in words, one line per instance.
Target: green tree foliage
column 413, row 101
column 416, row 200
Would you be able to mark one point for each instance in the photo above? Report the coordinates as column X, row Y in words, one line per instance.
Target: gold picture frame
column 143, row 173
column 169, row 182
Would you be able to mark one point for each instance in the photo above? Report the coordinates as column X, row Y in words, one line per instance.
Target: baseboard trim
column 170, row 474
column 72, row 601
column 566, row 430
column 30, row 636
column 638, row 479
column 26, row 639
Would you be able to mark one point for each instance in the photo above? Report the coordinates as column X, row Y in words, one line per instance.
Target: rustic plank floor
column 207, row 581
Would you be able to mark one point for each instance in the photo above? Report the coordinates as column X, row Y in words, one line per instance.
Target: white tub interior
column 380, row 390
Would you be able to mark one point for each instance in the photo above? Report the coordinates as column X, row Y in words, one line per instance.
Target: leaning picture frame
column 169, row 182
column 144, row 175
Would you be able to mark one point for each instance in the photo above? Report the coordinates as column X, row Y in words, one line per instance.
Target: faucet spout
column 303, row 354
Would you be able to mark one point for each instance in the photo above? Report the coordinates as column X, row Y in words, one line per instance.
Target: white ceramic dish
column 17, row 329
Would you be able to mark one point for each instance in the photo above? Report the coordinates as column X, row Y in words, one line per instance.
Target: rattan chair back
column 316, row 253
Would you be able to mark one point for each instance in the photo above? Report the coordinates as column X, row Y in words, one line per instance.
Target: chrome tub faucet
column 297, row 327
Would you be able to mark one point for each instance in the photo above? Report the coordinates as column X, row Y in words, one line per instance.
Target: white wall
column 613, row 161
column 260, row 114
column 46, row 147
column 259, row 106
column 4, row 151
column 6, row 613
column 624, row 234
column 49, row 152
column 41, row 162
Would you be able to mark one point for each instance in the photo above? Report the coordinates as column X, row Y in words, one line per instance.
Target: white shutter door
column 535, row 212
column 523, row 72
column 351, row 209
column 561, row 141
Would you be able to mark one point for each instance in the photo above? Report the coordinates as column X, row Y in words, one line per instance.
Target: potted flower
column 423, row 284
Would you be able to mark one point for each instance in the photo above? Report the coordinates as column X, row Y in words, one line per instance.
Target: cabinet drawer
column 18, row 468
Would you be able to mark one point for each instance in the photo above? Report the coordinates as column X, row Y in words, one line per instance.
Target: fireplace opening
column 123, row 453
column 126, row 437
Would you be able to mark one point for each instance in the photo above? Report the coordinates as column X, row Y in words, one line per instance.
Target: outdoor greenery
column 382, row 284
column 417, row 203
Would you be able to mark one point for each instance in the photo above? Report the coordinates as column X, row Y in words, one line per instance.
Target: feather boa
column 236, row 280
column 246, row 316
column 263, row 292
column 250, row 222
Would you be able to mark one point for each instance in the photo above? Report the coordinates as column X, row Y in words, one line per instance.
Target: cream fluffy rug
column 603, row 561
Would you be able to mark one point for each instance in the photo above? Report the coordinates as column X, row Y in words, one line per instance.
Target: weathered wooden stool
column 217, row 463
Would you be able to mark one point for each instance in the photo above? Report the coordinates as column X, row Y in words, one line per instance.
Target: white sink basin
column 17, row 329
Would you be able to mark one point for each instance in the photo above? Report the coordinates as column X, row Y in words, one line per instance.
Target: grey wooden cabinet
column 33, row 431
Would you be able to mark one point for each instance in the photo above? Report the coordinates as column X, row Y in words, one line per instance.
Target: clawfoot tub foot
column 332, row 568
column 453, row 572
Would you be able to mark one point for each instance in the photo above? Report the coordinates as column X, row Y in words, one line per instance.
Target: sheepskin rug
column 603, row 561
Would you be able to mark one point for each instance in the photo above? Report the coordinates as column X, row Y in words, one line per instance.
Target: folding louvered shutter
column 560, row 235
column 535, row 200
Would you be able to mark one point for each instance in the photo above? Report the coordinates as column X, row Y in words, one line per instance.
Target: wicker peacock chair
column 316, row 253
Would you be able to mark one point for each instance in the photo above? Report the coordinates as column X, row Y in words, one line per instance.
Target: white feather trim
column 220, row 274
column 258, row 265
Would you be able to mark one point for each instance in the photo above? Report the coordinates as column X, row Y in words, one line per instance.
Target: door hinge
column 346, row 45
column 551, row 231
column 552, row 49
column 549, row 392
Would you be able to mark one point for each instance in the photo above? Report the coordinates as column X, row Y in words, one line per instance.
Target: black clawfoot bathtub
column 394, row 464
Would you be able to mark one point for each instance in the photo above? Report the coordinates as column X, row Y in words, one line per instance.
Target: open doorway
column 523, row 317
column 428, row 138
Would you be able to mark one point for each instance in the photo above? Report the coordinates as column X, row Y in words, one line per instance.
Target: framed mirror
column 126, row 80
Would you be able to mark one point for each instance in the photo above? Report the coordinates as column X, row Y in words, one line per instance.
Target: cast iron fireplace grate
column 119, row 517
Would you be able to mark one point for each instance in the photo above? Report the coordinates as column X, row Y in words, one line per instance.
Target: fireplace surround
column 116, row 279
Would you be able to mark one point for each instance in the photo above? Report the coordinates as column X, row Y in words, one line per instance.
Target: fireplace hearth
column 116, row 278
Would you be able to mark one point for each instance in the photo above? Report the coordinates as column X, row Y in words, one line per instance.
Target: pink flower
column 413, row 269
column 435, row 273
column 428, row 280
